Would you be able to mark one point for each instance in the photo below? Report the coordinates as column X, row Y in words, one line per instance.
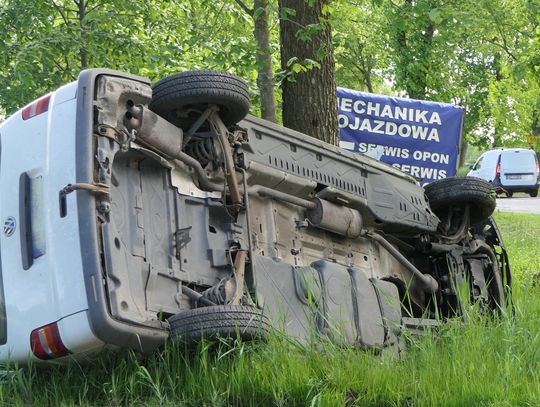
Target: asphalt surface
column 519, row 203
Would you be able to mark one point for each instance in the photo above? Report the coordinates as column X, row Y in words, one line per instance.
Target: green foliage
column 482, row 55
column 506, row 30
column 46, row 44
column 362, row 60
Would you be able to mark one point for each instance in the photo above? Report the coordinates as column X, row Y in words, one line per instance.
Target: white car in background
column 509, row 170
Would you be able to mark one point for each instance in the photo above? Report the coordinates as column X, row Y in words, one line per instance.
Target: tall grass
column 482, row 362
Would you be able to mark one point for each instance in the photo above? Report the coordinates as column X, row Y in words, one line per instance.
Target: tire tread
column 201, row 87
column 220, row 321
column 461, row 190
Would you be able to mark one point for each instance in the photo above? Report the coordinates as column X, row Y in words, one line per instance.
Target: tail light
column 498, row 171
column 46, row 342
column 39, row 106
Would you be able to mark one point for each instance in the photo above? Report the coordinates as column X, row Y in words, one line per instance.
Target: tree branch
column 98, row 5
column 504, row 47
column 244, row 7
column 61, row 11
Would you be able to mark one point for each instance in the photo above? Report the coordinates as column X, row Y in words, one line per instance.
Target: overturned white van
column 132, row 214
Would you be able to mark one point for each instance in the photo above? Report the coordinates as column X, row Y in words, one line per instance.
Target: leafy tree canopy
column 483, row 55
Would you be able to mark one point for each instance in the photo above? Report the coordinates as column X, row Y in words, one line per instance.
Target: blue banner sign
column 418, row 137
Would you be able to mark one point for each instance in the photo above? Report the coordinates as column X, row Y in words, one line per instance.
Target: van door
column 475, row 170
column 518, row 168
column 485, row 166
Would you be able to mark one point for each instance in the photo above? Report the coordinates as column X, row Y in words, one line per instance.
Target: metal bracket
column 95, row 188
column 199, row 122
column 239, row 274
column 112, row 133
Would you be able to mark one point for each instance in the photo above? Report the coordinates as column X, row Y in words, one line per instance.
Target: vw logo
column 9, row 226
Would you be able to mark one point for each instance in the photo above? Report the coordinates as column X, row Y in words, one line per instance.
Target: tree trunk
column 83, row 53
column 309, row 98
column 498, row 77
column 367, row 81
column 414, row 57
column 463, row 152
column 265, row 76
column 535, row 126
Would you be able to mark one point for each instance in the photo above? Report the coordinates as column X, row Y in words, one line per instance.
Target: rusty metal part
column 428, row 282
column 483, row 247
column 281, row 196
column 198, row 123
column 94, row 188
column 220, row 131
column 204, row 181
column 110, row 132
column 462, row 228
column 166, row 138
column 335, row 218
column 239, row 272
column 195, row 296
column 442, row 248
column 153, row 130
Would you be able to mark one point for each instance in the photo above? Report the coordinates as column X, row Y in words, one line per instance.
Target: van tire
column 454, row 191
column 219, row 321
column 533, row 193
column 182, row 97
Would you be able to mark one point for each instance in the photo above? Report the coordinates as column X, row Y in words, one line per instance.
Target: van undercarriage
column 197, row 219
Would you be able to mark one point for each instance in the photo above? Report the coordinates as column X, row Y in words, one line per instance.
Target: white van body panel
column 55, row 278
column 485, row 166
column 77, row 335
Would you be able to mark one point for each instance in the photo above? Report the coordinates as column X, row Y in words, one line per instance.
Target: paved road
column 519, row 203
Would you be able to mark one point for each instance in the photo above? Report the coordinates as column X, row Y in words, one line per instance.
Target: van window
column 478, row 163
column 32, row 219
column 519, row 161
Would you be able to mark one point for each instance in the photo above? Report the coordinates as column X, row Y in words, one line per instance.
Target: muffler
column 154, row 130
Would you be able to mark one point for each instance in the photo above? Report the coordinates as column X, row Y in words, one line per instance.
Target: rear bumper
column 514, row 188
column 104, row 327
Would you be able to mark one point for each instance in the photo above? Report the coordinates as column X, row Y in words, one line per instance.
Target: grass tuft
column 484, row 362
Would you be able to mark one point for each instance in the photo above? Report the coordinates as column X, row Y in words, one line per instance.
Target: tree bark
column 498, row 77
column 266, row 82
column 265, row 77
column 463, row 152
column 535, row 126
column 83, row 53
column 367, row 81
column 309, row 99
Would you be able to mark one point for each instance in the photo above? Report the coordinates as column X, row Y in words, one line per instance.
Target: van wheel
column 509, row 194
column 533, row 193
column 454, row 191
column 219, row 321
column 182, row 97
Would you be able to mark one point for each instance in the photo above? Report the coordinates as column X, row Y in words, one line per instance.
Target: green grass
column 483, row 362
column 462, row 171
